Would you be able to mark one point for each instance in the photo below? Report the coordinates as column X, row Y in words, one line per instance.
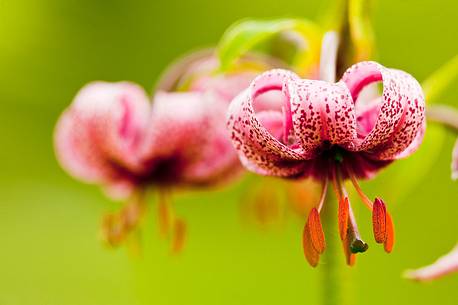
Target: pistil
column 348, row 229
column 356, row 243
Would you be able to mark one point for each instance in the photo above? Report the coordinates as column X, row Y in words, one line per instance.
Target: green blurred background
column 49, row 251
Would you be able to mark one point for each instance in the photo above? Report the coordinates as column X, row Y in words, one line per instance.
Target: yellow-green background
column 49, row 251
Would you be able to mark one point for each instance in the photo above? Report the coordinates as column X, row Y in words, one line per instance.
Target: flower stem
column 445, row 115
column 331, row 267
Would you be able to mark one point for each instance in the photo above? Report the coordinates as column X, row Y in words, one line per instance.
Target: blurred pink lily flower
column 325, row 131
column 111, row 135
column 444, row 265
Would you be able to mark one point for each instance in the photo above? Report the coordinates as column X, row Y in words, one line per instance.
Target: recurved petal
column 445, row 265
column 97, row 137
column 273, row 122
column 217, row 160
column 455, row 161
column 81, row 158
column 258, row 149
column 321, row 111
column 415, row 143
column 187, row 135
column 225, row 86
column 401, row 112
column 176, row 123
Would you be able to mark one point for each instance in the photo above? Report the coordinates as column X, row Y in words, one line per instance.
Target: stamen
column 266, row 209
column 133, row 211
column 389, row 242
column 323, row 194
column 112, row 230
column 335, row 184
column 348, row 229
column 315, row 230
column 134, row 245
column 117, row 226
column 179, row 235
column 130, row 215
column 313, row 240
column 312, row 256
column 164, row 214
column 379, row 219
column 358, row 189
column 356, row 243
column 343, row 217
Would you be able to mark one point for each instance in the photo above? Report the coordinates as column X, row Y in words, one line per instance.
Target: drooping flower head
column 111, row 135
column 325, row 131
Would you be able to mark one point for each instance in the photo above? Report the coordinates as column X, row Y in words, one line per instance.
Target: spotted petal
column 97, row 136
column 259, row 150
column 400, row 112
column 186, row 138
column 321, row 111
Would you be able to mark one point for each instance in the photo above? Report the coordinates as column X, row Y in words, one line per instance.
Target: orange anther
column 316, row 231
column 389, row 242
column 343, row 217
column 312, row 256
column 379, row 221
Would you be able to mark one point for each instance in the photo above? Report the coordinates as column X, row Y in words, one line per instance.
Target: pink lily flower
column 99, row 137
column 325, row 131
column 112, row 136
column 444, row 265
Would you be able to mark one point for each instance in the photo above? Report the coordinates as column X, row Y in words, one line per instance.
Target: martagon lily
column 329, row 132
column 111, row 135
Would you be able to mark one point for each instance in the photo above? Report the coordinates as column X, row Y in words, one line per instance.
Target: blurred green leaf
column 440, row 80
column 244, row 35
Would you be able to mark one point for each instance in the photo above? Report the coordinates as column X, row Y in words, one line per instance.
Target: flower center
column 313, row 236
